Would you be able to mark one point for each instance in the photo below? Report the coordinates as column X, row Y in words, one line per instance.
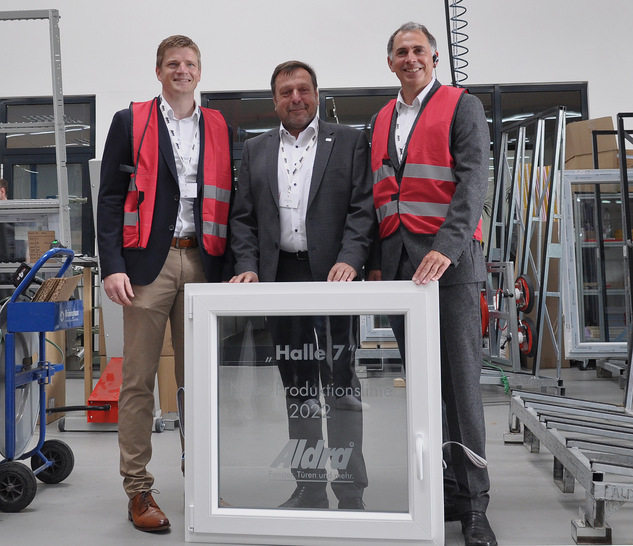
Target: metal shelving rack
column 592, row 443
column 526, row 228
column 59, row 206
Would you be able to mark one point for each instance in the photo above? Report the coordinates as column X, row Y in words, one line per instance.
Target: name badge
column 188, row 190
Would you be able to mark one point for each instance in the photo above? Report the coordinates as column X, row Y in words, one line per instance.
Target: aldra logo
column 296, row 455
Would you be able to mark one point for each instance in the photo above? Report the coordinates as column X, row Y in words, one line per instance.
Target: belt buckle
column 186, row 242
column 302, row 255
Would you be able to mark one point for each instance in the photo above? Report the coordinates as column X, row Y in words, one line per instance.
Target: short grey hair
column 407, row 27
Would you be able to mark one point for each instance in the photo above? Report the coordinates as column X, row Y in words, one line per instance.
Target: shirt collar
column 169, row 111
column 400, row 104
column 311, row 129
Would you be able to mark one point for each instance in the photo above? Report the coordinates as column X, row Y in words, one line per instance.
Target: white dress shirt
column 407, row 116
column 294, row 174
column 185, row 142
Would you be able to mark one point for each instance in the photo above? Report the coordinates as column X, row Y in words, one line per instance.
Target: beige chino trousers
column 143, row 332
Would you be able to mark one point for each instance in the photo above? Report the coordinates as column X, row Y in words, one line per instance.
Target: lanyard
column 177, row 139
column 298, row 164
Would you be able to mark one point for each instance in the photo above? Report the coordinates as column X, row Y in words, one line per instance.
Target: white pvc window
column 250, row 439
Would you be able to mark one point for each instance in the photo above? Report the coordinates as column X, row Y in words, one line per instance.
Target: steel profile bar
column 623, row 138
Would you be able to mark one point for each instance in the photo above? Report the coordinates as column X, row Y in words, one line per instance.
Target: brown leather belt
column 185, row 242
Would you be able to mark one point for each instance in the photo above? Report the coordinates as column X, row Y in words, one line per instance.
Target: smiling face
column 295, row 100
column 179, row 72
column 412, row 62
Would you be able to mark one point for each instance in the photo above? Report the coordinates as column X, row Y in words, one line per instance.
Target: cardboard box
column 39, row 243
column 579, row 145
column 168, row 349
column 548, row 349
column 56, row 389
column 57, row 289
column 167, row 385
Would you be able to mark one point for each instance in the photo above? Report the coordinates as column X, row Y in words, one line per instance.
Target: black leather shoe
column 476, row 529
column 351, row 503
column 307, row 497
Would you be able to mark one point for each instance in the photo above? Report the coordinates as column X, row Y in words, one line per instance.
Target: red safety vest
column 421, row 201
column 141, row 196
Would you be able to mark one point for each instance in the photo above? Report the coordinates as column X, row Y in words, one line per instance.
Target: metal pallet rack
column 592, row 443
column 526, row 230
column 624, row 137
column 60, row 206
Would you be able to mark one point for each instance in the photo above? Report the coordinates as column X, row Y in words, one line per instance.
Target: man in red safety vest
column 164, row 196
column 430, row 161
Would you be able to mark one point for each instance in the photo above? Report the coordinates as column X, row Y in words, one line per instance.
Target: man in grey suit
column 303, row 211
column 430, row 158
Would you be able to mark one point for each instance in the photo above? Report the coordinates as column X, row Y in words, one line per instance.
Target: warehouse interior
column 556, row 309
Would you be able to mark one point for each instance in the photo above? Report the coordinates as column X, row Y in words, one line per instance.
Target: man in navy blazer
column 162, row 161
column 303, row 212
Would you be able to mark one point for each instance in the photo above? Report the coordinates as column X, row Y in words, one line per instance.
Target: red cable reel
column 524, row 294
column 485, row 314
column 527, row 337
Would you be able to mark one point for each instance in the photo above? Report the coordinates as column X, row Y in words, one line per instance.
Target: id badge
column 188, row 190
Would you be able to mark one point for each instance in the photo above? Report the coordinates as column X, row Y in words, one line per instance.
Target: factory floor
column 89, row 507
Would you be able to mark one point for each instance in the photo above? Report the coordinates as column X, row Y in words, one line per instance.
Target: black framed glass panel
column 29, row 159
column 77, row 120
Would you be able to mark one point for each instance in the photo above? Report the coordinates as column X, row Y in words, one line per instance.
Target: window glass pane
column 14, row 245
column 295, row 414
column 354, row 110
column 517, row 106
column 14, row 230
column 248, row 116
column 76, row 120
column 599, row 261
column 39, row 181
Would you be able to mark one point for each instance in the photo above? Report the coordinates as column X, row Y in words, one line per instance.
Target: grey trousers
column 461, row 363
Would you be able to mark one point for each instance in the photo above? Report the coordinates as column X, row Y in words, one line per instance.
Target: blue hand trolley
column 23, row 325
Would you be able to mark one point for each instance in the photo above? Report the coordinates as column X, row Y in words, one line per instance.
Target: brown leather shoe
column 145, row 514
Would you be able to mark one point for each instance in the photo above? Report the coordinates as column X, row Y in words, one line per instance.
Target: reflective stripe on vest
column 217, row 172
column 421, row 201
column 216, row 169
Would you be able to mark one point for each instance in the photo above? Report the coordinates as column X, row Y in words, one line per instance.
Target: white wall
column 108, row 47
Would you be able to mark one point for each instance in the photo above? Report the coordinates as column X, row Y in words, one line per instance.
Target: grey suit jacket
column 340, row 217
column 470, row 147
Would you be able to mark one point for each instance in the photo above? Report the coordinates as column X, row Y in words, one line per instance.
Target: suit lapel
column 201, row 148
column 391, row 143
column 272, row 159
column 323, row 151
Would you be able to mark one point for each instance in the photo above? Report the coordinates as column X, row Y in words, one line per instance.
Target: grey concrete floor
column 89, row 507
